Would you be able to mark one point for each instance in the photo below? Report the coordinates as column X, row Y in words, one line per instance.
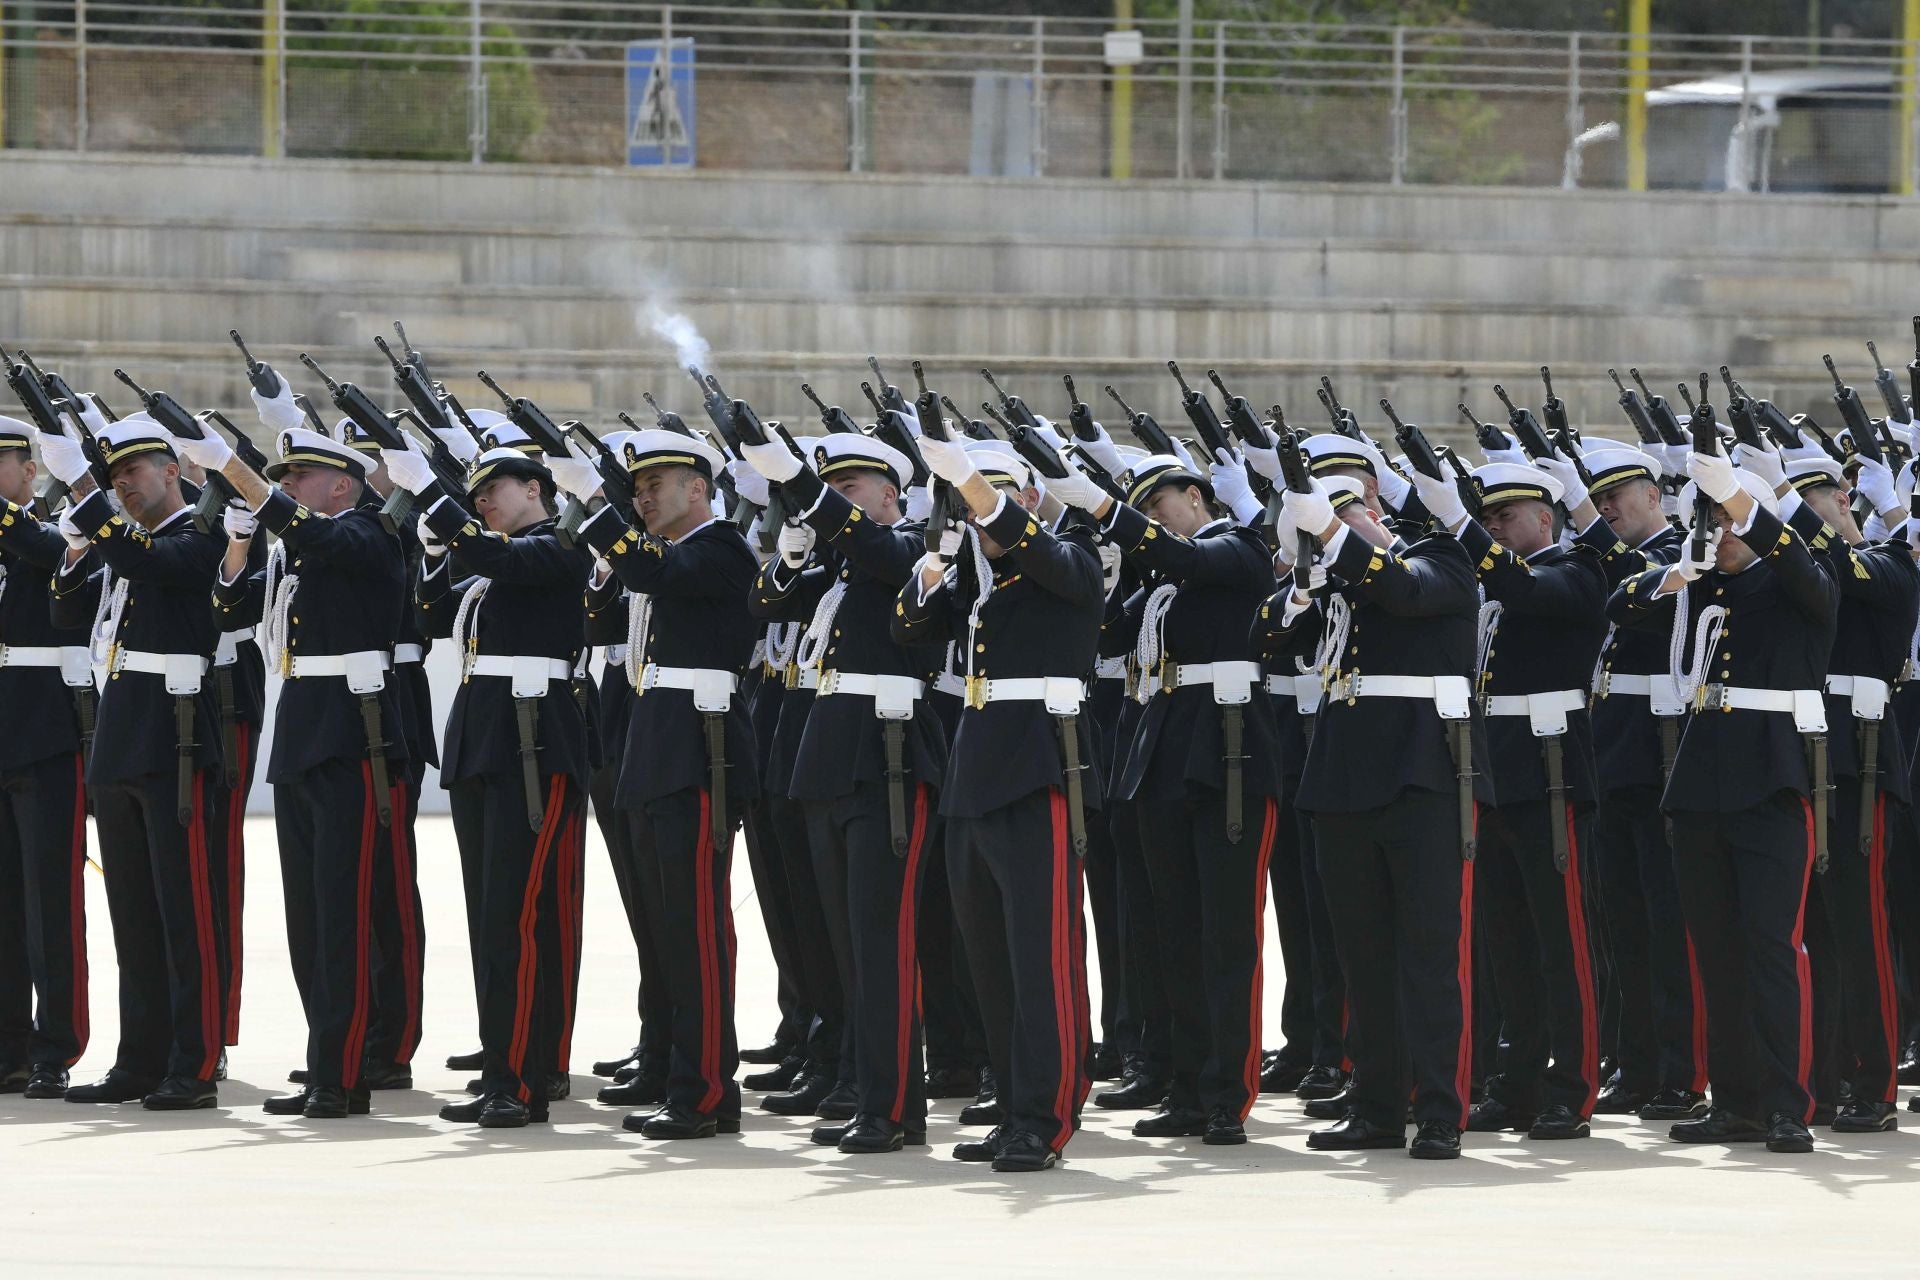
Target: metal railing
column 825, row 90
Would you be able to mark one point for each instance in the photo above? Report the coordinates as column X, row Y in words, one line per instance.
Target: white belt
column 1062, row 694
column 1450, row 695
column 406, row 653
column 1869, row 695
column 1546, row 711
column 1661, row 691
column 530, row 674
column 893, row 696
column 712, row 689
column 1304, row 690
column 948, row 682
column 1806, row 706
column 1110, row 669
column 1233, row 682
column 182, row 670
column 226, row 651
column 364, row 671
column 75, row 663
column 805, row 678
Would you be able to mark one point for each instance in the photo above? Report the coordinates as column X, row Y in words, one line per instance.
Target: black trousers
column 330, row 837
column 1533, row 917
column 871, row 896
column 1210, row 897
column 1662, row 1037
column 821, row 992
column 229, row 863
column 1903, row 907
column 529, row 913
column 1017, row 893
column 399, row 935
column 1854, row 894
column 1102, row 870
column 640, row 900
column 949, row 1007
column 43, row 913
column 166, row 926
column 1743, row 880
column 1401, row 899
column 1146, row 1016
column 675, row 861
column 768, row 866
column 1313, row 1008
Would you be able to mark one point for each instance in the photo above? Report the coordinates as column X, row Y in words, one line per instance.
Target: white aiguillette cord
column 1706, row 637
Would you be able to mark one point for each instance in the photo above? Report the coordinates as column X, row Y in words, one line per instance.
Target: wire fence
column 834, row 90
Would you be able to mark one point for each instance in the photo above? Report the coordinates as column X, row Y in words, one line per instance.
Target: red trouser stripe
column 709, row 958
column 1250, row 1070
column 906, row 954
column 1463, row 974
column 1346, row 1019
column 572, row 841
column 1698, row 996
column 525, row 975
column 1883, row 946
column 236, row 880
column 354, row 1047
column 77, row 911
column 1059, row 933
column 203, row 929
column 406, row 894
column 1803, row 968
column 1582, row 968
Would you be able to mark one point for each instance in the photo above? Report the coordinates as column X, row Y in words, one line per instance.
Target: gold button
column 979, row 648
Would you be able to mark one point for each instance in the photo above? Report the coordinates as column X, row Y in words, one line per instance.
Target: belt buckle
column 1712, row 697
column 1168, row 676
column 1132, row 678
column 1345, row 688
column 829, row 683
column 1606, row 685
column 976, row 692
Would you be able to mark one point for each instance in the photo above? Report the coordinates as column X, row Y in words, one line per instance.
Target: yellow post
column 1120, row 162
column 272, row 15
column 1639, row 21
column 1903, row 176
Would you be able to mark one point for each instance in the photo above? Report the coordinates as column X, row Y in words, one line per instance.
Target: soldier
column 1025, row 607
column 1741, row 793
column 332, row 595
column 155, row 772
column 687, row 769
column 46, row 684
column 516, row 757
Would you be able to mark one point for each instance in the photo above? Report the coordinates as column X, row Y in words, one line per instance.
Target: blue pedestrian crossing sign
column 660, row 103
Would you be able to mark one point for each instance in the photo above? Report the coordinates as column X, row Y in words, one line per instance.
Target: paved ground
column 96, row 1191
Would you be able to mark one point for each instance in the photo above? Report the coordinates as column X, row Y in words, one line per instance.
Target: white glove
column 1076, row 490
column 1512, row 453
column 239, row 521
column 576, row 476
column 1394, row 488
column 1110, row 559
column 1286, row 533
column 1230, row 485
column 1764, row 463
column 947, row 459
column 1875, row 482
column 91, row 415
column 919, row 503
column 1676, row 457
column 1317, row 577
column 210, row 453
column 773, row 460
column 1713, row 472
column 62, row 455
column 1102, row 450
column 1186, row 459
column 1442, row 498
column 1687, row 567
column 280, row 413
column 1875, row 529
column 1264, row 458
column 460, row 443
column 795, row 543
column 952, row 538
column 71, row 532
column 1573, row 493
column 1311, row 512
column 429, row 540
column 409, row 468
column 748, row 483
column 1913, row 431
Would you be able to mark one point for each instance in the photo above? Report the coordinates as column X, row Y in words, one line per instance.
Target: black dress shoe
column 467, row 1061
column 1281, row 1076
column 988, row 1112
column 676, row 1121
column 1718, row 1125
column 1908, row 1072
column 1023, row 1152
column 181, row 1093
column 775, row 1052
column 1172, row 1122
column 477, row 1086
column 806, row 1095
column 386, row 1075
column 1855, row 1117
column 953, row 1082
column 13, row 1077
column 875, row 1135
column 641, row 1091
column 1913, row 1103
column 1617, row 1100
column 1320, row 1082
column 46, row 1082
column 611, row 1066
column 116, row 1086
column 1328, row 1108
column 775, row 1078
column 983, row 1151
column 298, row 1075
column 842, row 1103
column 330, row 1102
column 1224, row 1129
column 1675, row 1104
column 559, row 1086
column 1356, row 1134
column 626, row 1073
column 220, row 1067
column 1436, row 1140
column 1558, row 1121
column 286, row 1104
column 1141, row 1091
column 1107, row 1063
column 467, row 1112
column 1495, row 1116
column 501, row 1112
column 1787, row 1136
column 1825, row 1113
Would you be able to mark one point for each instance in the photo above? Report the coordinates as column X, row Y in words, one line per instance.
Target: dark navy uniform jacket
column 413, row 692
column 1042, row 618
column 1777, row 634
column 39, row 705
column 1626, row 734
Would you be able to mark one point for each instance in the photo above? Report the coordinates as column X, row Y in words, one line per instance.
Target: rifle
column 461, row 416
column 1080, row 415
column 1636, row 411
column 243, row 446
column 65, row 399
column 1206, row 423
column 219, row 489
column 1897, row 410
column 974, row 429
column 1298, row 478
column 33, row 397
column 1525, row 427
column 1425, row 459
column 1247, row 429
column 414, row 359
column 375, row 423
column 1706, row 441
column 1485, row 434
column 1344, row 423
column 1148, row 432
column 1015, row 408
column 1740, row 413
column 1569, row 448
column 263, row 376
column 1555, row 409
column 743, row 427
column 1660, row 412
column 176, row 421
column 615, row 480
column 545, row 433
column 944, row 510
column 889, row 394
column 1854, row 413
column 741, row 514
column 832, row 416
